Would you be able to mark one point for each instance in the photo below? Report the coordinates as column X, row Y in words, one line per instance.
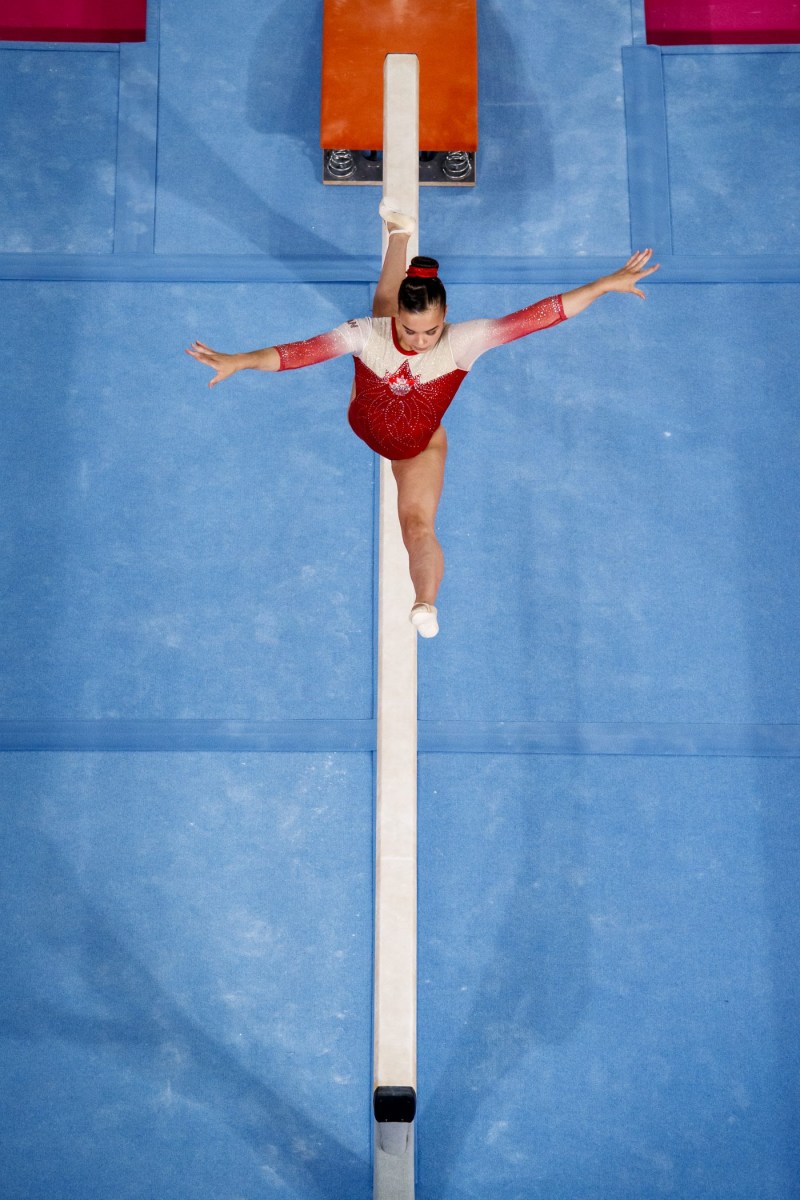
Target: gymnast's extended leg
column 393, row 272
column 419, row 480
column 419, row 489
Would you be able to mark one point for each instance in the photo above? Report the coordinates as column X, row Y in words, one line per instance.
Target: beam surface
column 395, row 984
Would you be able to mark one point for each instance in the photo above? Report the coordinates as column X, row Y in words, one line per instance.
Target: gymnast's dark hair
column 418, row 293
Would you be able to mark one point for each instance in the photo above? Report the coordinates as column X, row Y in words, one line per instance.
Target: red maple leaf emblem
column 402, row 381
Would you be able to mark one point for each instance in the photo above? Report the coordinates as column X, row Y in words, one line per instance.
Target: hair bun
column 422, row 288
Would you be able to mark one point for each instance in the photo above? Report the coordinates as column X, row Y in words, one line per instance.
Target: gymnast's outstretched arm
column 625, row 279
column 345, row 339
column 471, row 339
column 226, row 365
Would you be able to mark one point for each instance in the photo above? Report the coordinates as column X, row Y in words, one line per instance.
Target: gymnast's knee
column 415, row 524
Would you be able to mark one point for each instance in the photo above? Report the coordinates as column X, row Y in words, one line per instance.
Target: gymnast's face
column 420, row 330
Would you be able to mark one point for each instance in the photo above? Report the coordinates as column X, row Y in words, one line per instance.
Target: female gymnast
column 409, row 363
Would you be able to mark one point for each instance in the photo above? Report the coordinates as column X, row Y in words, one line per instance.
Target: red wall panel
column 73, row 20
column 722, row 22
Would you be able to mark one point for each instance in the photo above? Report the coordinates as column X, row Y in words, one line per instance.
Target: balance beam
column 424, row 63
column 395, row 977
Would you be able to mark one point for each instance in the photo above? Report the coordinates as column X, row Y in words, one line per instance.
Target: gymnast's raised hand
column 626, row 279
column 636, row 268
column 226, row 365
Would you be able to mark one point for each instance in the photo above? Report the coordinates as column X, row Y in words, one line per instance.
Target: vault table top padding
column 356, row 37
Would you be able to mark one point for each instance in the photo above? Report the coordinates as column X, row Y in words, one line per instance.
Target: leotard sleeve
column 349, row 338
column 470, row 339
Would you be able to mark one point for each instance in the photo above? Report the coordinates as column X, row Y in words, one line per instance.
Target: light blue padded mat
column 171, row 551
column 58, row 146
column 732, row 124
column 608, row 978
column 619, row 516
column 187, row 951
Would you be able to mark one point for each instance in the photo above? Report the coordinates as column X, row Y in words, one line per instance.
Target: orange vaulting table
column 356, row 37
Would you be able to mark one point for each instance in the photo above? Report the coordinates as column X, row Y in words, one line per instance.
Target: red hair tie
column 422, row 272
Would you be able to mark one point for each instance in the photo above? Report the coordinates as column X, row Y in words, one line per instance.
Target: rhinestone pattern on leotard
column 397, row 415
column 316, row 349
column 541, row 315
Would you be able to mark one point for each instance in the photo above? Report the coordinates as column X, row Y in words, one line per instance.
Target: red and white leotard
column 401, row 395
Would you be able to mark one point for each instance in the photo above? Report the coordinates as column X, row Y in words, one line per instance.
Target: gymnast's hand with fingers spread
column 226, row 365
column 626, row 279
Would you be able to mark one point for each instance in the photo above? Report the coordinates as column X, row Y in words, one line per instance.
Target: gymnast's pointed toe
column 424, row 619
column 403, row 223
